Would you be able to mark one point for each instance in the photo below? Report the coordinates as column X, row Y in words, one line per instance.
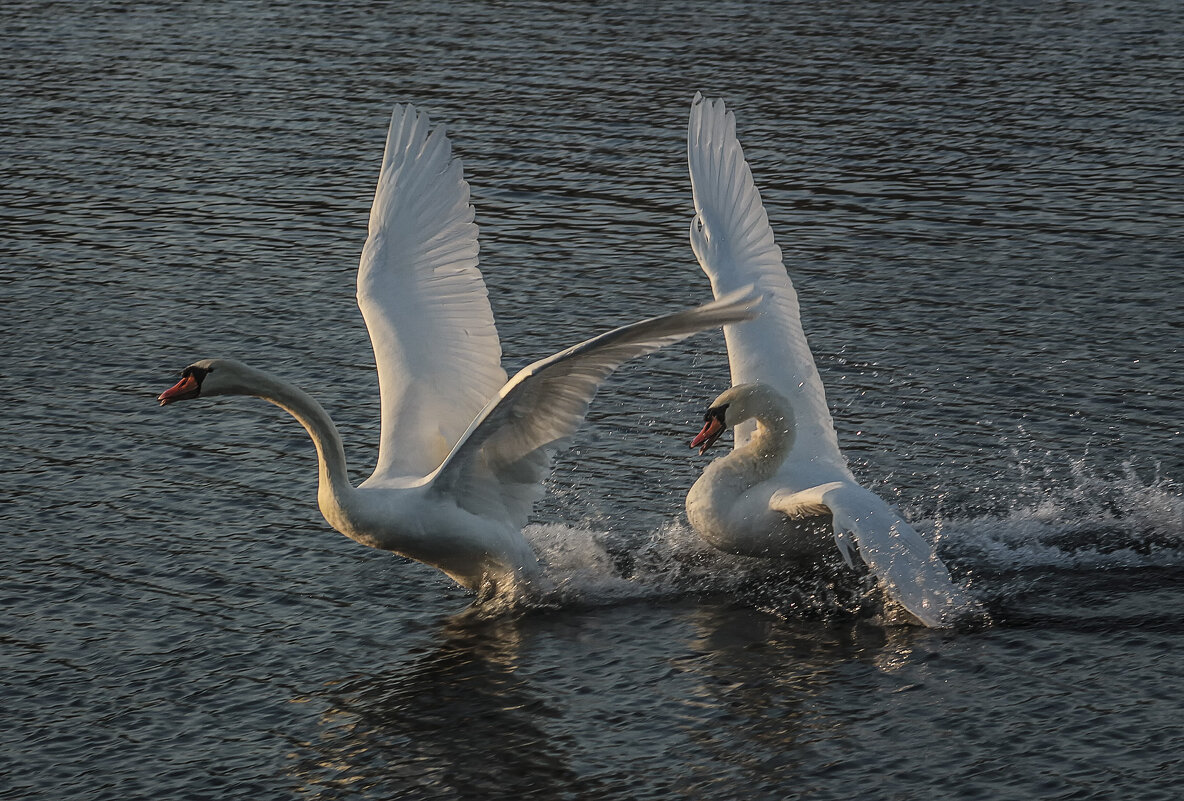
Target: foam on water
column 587, row 566
column 1092, row 522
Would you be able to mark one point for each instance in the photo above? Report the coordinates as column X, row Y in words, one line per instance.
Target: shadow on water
column 1086, row 599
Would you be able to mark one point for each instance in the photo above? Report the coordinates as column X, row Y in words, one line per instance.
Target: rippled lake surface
column 982, row 209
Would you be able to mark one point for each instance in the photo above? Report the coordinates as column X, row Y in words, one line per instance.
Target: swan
column 462, row 452
column 785, row 490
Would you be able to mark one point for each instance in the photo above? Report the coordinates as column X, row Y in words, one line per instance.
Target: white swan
column 462, row 452
column 786, row 483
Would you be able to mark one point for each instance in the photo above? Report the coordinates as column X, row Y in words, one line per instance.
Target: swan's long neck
column 772, row 441
column 334, row 491
column 716, row 496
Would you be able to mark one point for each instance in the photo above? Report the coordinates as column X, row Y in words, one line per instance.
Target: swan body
column 785, row 490
column 463, row 452
column 731, row 505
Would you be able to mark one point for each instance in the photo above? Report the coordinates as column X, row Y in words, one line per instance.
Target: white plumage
column 463, row 452
column 786, row 482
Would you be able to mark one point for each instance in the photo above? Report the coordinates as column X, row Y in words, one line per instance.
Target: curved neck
column 333, row 487
column 769, row 444
column 765, row 450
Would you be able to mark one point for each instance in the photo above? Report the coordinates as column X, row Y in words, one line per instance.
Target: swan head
column 211, row 377
column 740, row 403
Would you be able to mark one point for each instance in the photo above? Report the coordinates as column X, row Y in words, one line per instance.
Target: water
column 981, row 207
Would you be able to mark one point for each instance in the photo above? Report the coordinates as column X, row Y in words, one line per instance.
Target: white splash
column 1094, row 522
column 1090, row 522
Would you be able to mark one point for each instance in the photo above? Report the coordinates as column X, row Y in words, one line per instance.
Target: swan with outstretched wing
column 463, row 453
column 785, row 490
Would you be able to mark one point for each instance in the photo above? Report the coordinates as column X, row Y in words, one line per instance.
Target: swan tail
column 907, row 567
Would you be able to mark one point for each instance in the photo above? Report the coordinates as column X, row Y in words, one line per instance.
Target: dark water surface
column 982, row 207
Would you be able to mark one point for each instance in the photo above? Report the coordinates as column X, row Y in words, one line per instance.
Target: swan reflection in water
column 525, row 706
column 459, row 721
column 773, row 691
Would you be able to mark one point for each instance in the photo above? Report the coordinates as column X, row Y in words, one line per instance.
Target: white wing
column 424, row 301
column 732, row 239
column 898, row 556
column 500, row 462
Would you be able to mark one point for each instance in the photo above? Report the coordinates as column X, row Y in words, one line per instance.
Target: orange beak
column 713, row 429
column 184, row 389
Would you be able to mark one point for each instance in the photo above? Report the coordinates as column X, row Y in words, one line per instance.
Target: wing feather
column 499, row 464
column 424, row 300
column 734, row 243
column 900, row 558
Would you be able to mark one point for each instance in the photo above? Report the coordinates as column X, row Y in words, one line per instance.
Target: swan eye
column 198, row 374
column 715, row 413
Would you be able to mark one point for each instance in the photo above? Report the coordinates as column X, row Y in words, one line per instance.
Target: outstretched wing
column 899, row 557
column 497, row 468
column 734, row 243
column 424, row 301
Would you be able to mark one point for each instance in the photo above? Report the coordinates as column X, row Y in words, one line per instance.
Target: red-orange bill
column 713, row 429
column 184, row 389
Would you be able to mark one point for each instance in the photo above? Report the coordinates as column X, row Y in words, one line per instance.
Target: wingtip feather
column 422, row 295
